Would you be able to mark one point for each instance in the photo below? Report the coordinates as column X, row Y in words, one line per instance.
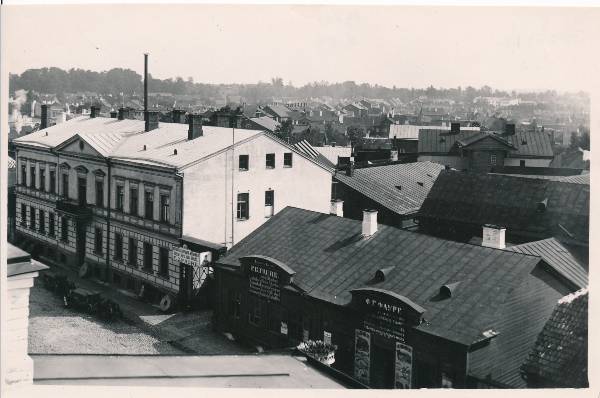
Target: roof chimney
column 337, row 208
column 123, row 113
column 94, row 111
column 45, row 117
column 350, row 168
column 113, row 114
column 178, row 116
column 195, row 126
column 151, row 118
column 493, row 236
column 454, row 128
column 369, row 223
column 393, row 155
column 509, row 129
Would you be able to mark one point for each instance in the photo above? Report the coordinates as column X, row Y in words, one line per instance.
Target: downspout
column 107, row 273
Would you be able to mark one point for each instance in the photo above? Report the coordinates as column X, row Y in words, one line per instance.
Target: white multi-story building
column 119, row 198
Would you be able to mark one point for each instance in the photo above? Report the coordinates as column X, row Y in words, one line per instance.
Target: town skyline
column 403, row 46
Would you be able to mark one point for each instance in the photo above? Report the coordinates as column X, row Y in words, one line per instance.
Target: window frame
column 493, row 159
column 64, row 229
column 65, row 185
column 52, row 181
column 149, row 210
column 24, row 174
column 98, row 241
column 134, row 210
column 120, row 197
column 43, row 179
column 165, row 208
column 148, row 248
column 270, row 161
column 245, row 209
column 42, row 223
column 51, row 225
column 163, row 262
column 23, row 215
column 100, row 193
column 132, row 252
column 291, row 159
column 32, row 177
column 246, row 161
column 118, row 247
column 32, row 218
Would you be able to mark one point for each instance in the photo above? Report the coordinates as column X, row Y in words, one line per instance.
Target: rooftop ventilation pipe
column 337, row 208
column 542, row 206
column 381, row 273
column 448, row 289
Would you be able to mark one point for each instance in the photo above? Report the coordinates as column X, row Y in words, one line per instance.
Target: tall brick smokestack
column 146, row 116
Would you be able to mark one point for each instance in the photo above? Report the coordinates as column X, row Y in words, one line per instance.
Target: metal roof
column 401, row 188
column 331, row 258
column 557, row 257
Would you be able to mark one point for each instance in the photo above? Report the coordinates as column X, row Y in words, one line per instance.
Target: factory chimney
column 150, row 117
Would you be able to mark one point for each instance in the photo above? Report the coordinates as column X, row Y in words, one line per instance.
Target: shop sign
column 186, row 256
column 384, row 319
column 362, row 356
column 326, row 337
column 264, row 281
column 395, row 333
column 284, row 328
column 403, row 366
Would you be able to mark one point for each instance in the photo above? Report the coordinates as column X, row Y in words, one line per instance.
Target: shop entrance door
column 382, row 366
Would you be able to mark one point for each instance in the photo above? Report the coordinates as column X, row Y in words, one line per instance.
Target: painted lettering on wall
column 264, row 282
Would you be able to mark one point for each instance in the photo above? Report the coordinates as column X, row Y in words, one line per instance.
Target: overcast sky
column 506, row 48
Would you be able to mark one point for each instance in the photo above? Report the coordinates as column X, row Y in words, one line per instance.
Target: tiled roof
column 560, row 354
column 557, row 257
column 513, row 202
column 330, row 258
column 528, row 144
column 401, row 188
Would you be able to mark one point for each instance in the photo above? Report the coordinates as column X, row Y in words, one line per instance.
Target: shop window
column 118, row 246
column 255, row 313
column 100, row 193
column 147, row 257
column 235, row 302
column 243, row 162
column 51, row 231
column 120, row 197
column 132, row 254
column 287, row 159
column 243, row 206
column 270, row 161
column 133, row 201
column 164, row 262
column 98, row 241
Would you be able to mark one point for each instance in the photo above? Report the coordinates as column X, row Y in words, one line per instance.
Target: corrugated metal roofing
column 331, row 258
column 511, row 201
column 11, row 163
column 333, row 152
column 560, row 354
column 557, row 257
column 401, row 188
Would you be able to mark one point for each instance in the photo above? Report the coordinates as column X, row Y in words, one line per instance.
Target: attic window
column 143, row 149
column 174, row 151
column 420, row 183
column 399, row 187
column 429, row 175
column 81, row 146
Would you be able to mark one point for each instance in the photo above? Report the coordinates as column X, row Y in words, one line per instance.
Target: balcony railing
column 74, row 208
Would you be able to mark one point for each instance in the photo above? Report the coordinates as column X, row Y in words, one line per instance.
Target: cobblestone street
column 55, row 329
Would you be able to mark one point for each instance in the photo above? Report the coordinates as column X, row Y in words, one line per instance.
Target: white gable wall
column 208, row 202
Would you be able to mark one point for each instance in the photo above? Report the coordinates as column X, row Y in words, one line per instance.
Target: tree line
column 115, row 81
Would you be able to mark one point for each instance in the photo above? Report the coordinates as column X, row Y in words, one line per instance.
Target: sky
column 505, row 48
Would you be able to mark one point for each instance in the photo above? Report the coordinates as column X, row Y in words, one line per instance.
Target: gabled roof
column 401, row 188
column 331, row 258
column 278, row 110
column 560, row 354
column 311, row 152
column 512, row 201
column 470, row 140
column 528, row 144
column 557, row 257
